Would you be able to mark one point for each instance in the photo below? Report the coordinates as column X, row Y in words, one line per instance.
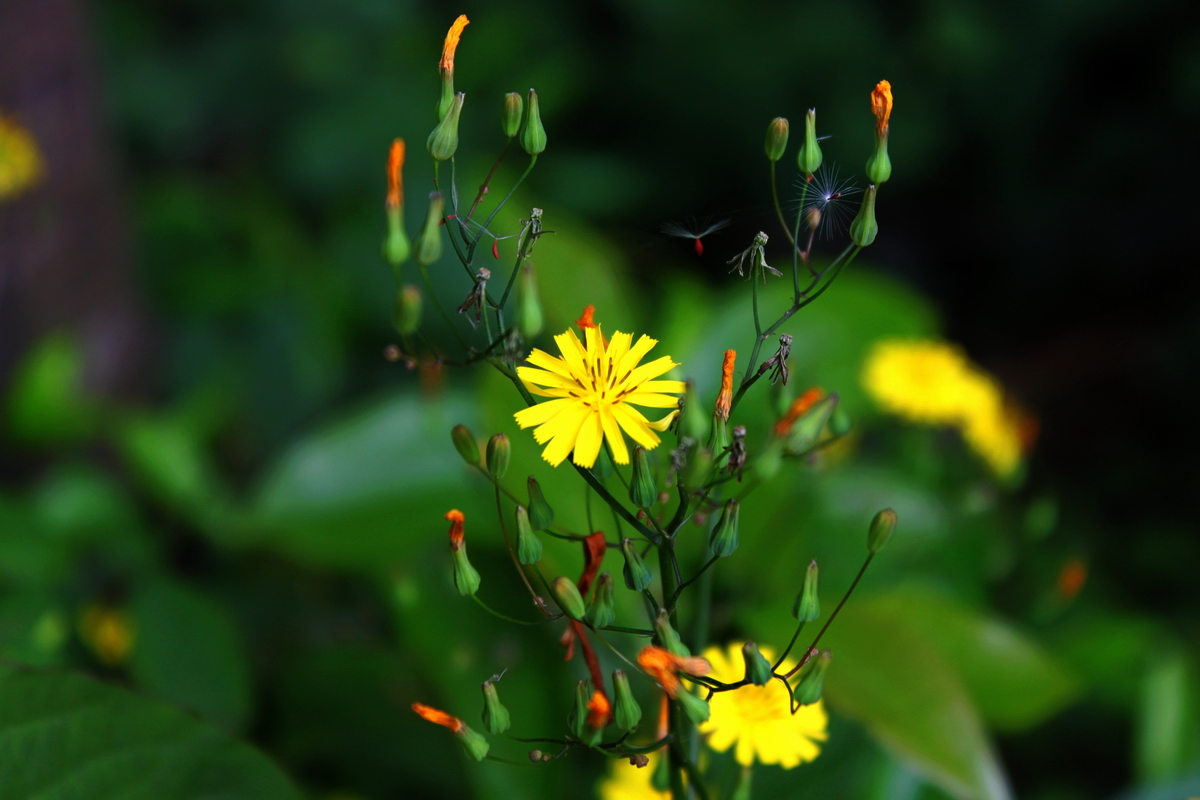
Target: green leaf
column 171, row 461
column 1014, row 683
column 63, row 736
column 890, row 675
column 188, row 652
column 45, row 404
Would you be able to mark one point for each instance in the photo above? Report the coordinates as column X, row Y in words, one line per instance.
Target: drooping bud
column 698, row 469
column 879, row 166
column 533, row 135
column 529, row 308
column 510, row 117
column 602, row 612
column 474, row 743
column 807, row 606
column 807, row 430
column 777, row 136
column 809, row 158
column 396, row 246
column 724, row 538
column 465, row 444
column 812, row 679
column 529, row 546
column 443, row 139
column 693, row 422
column 407, row 314
column 864, row 228
column 466, row 578
column 499, row 453
column 495, row 715
column 668, row 636
column 881, row 530
column 429, row 242
column 446, row 64
column 642, row 491
column 695, row 707
column 566, row 594
column 638, row 576
column 626, row 710
column 541, row 515
column 758, row 669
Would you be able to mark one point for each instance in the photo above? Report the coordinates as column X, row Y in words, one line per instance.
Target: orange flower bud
column 452, row 37
column 664, row 666
column 395, row 194
column 1071, row 579
column 799, row 408
column 438, row 717
column 586, row 320
column 599, row 710
column 881, row 105
column 456, row 528
column 725, row 398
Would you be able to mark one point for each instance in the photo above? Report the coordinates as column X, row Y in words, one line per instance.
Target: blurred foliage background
column 216, row 492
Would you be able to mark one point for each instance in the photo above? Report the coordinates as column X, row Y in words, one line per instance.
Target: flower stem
column 833, row 616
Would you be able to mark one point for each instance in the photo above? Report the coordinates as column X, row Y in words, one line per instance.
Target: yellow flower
column 594, row 389
column 934, row 383
column 758, row 719
column 20, row 160
column 108, row 632
column 627, row 782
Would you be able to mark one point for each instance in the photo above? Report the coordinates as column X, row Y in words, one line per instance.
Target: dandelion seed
column 826, row 205
column 693, row 231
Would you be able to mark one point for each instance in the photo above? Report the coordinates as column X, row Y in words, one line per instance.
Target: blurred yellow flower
column 108, row 632
column 758, row 719
column 935, row 384
column 627, row 782
column 594, row 390
column 20, row 160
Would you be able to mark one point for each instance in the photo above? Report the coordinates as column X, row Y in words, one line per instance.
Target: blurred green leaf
column 889, row 674
column 1165, row 742
column 188, row 651
column 1014, row 683
column 64, row 736
column 369, row 489
column 33, row 629
column 46, row 404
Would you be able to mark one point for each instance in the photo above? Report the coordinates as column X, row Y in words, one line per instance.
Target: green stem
column 504, row 617
column 496, row 210
column 783, row 656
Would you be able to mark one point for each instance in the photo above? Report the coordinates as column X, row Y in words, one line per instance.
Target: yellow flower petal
column 587, row 443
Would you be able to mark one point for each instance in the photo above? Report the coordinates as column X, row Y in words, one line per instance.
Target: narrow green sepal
column 446, row 96
column 642, row 490
column 473, row 742
column 626, row 711
column 758, row 669
column 638, row 576
column 495, row 716
column 529, row 546
column 807, row 606
column 602, row 611
column 541, row 515
column 718, row 438
column 724, row 539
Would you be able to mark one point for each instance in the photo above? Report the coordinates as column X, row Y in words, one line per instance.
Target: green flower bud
column 879, row 166
column 642, row 491
column 407, row 314
column 495, row 715
column 510, row 118
column 637, row 575
column 807, row 430
column 465, row 444
column 668, row 636
column 443, row 140
column 529, row 308
column 807, row 607
column 810, row 156
column 694, row 424
column 864, row 228
column 718, row 438
column 881, row 530
column 812, row 679
column 602, row 612
column 529, row 546
column 698, row 469
column 695, row 707
column 758, row 669
column 396, row 246
column 777, row 136
column 499, row 453
column 474, row 743
column 840, row 423
column 541, row 515
column 578, row 719
column 625, row 709
column 446, row 96
column 466, row 579
column 429, row 241
column 533, row 135
column 566, row 594
column 724, row 538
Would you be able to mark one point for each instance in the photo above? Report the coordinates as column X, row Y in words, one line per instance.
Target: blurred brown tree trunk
column 65, row 255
